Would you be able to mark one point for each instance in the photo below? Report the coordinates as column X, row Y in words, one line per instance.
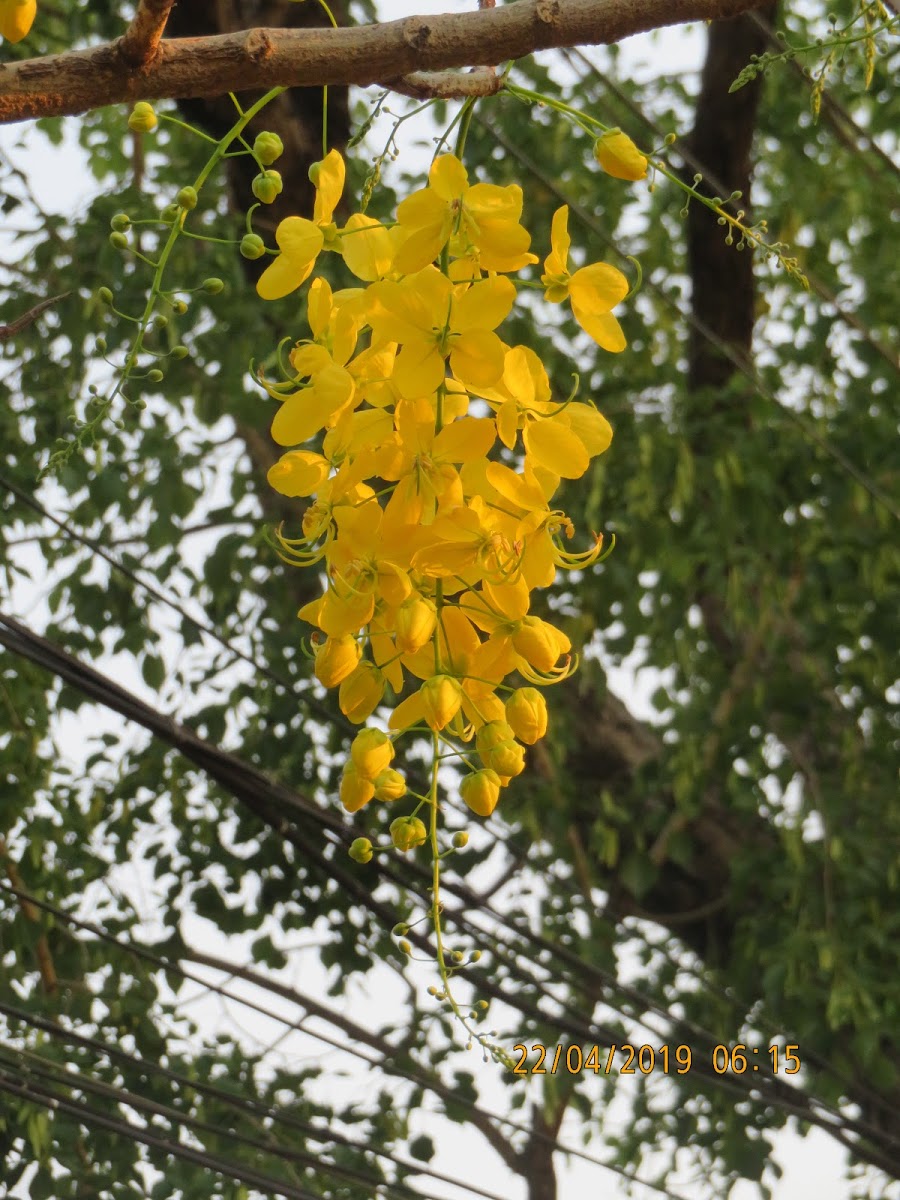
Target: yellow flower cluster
column 430, row 499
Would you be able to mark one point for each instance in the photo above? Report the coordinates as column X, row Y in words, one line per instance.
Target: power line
column 252, row 786
column 435, row 1086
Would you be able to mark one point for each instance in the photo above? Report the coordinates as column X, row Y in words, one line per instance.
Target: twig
column 20, row 323
column 139, row 44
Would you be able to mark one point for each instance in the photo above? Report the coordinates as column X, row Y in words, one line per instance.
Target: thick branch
column 80, row 80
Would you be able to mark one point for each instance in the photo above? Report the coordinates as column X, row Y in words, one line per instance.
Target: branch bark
column 81, row 80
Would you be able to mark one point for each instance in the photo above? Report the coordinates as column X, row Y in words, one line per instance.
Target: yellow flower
column 483, row 218
column 361, row 692
column 299, row 240
column 431, row 319
column 355, row 789
column 298, row 473
column 371, row 752
column 619, row 156
column 593, row 291
column 414, row 623
column 16, row 18
column 539, row 643
column 407, row 833
column 481, row 791
column 390, row 785
column 526, row 713
column 335, row 659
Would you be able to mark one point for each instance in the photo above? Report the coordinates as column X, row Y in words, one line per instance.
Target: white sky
column 812, row 1166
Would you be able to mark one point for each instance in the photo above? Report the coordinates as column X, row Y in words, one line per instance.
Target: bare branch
column 448, row 85
column 80, row 80
column 20, row 323
column 139, row 45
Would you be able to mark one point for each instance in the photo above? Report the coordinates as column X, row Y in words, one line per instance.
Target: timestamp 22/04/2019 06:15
column 627, row 1059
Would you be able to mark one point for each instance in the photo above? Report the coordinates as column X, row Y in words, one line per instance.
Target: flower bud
column 539, row 642
column 335, row 659
column 389, row 785
column 457, row 956
column 118, row 241
column 268, row 147
column 481, row 791
column 142, row 118
column 314, row 173
column 360, row 850
column 170, row 214
column 441, row 700
column 492, row 733
column 252, row 246
column 400, row 928
column 460, row 840
column 414, row 623
column 179, row 352
column 355, row 791
column 371, row 752
column 404, row 947
column 619, row 156
column 506, row 758
column 526, row 712
column 267, row 186
column 187, row 198
column 179, row 307
column 100, row 344
column 212, row 286
column 104, row 295
column 16, row 19
column 160, row 321
column 155, row 375
column 407, row 833
column 361, row 692
column 120, row 222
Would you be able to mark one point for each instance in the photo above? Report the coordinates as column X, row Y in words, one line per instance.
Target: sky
column 812, row 1166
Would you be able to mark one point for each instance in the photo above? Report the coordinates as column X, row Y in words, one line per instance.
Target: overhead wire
column 771, row 1091
column 435, row 1086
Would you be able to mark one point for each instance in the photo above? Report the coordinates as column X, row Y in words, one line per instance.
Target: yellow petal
column 597, row 289
column 483, row 306
column 619, row 156
column 366, row 247
column 16, row 18
column 476, row 358
column 465, row 439
column 557, row 261
column 329, row 186
column 298, row 473
column 407, row 713
column 552, row 444
column 605, row 330
column 589, row 426
column 448, row 177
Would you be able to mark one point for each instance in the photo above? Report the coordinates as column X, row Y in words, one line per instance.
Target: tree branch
column 81, row 80
column 140, row 43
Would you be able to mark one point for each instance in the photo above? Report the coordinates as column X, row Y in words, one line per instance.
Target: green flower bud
column 179, row 307
column 155, row 375
column 100, row 345
column 252, row 246
column 267, row 186
column 457, row 956
column 408, row 832
column 180, row 352
column 104, row 295
column 404, row 947
column 143, row 118
column 460, row 839
column 314, row 172
column 169, row 214
column 212, row 286
column 118, row 241
column 160, row 321
column 268, row 147
column 400, row 928
column 361, row 850
column 187, row 198
column 120, row 222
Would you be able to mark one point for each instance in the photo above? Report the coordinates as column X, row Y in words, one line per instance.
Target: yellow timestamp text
column 628, row 1059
